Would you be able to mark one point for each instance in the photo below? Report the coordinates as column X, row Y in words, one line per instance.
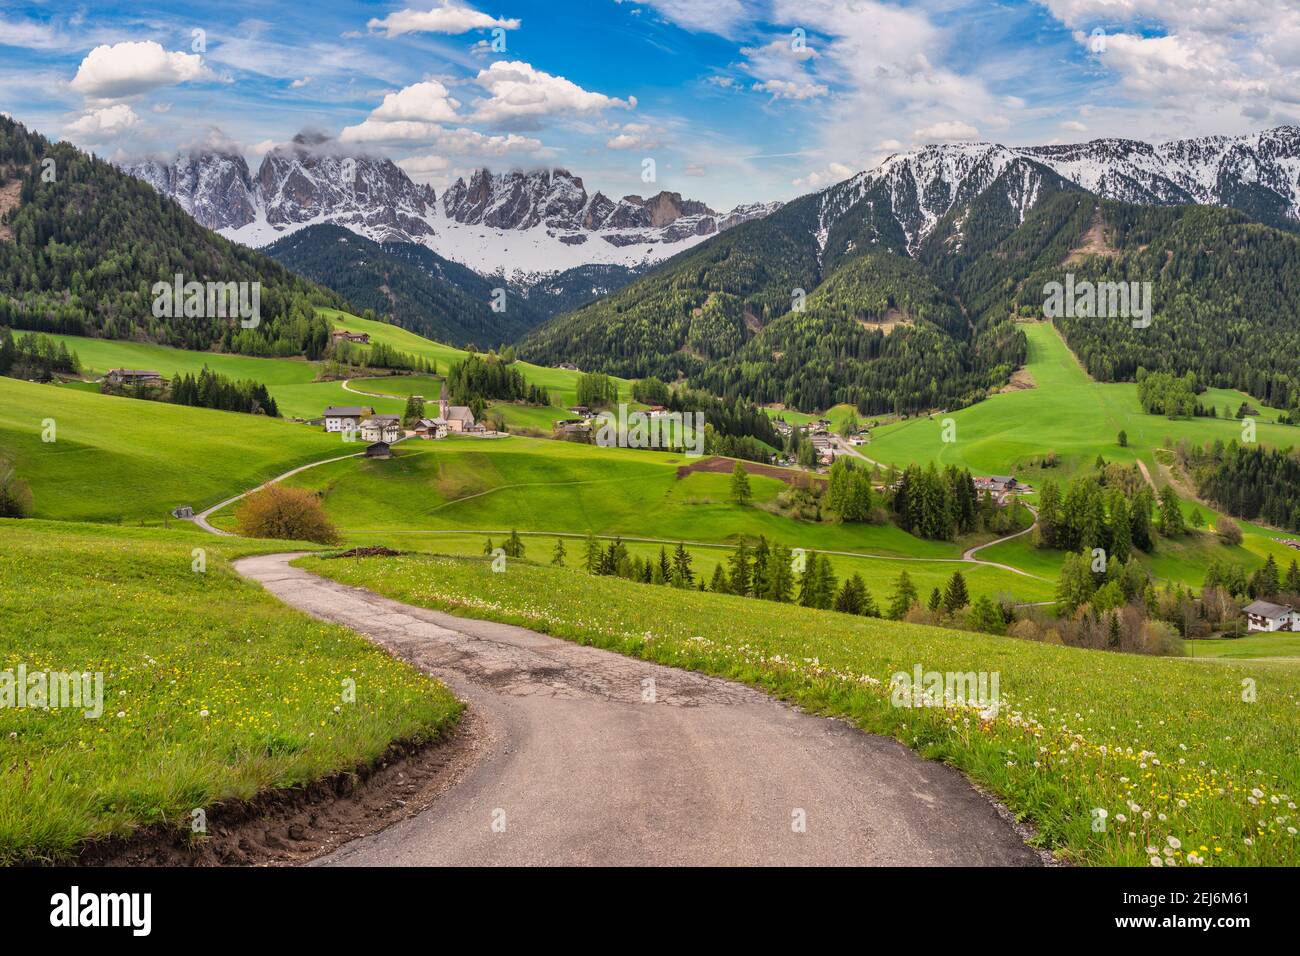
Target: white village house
column 1264, row 616
column 344, row 418
column 382, row 428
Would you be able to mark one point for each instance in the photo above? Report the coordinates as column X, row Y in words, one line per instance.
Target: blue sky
column 733, row 100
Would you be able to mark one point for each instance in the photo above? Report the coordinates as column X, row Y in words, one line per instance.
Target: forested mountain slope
column 89, row 242
column 412, row 285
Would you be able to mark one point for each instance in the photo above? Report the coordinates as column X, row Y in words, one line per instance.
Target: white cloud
column 448, row 17
column 695, row 169
column 425, row 164
column 1191, row 65
column 952, row 130
column 633, row 136
column 459, row 141
column 300, row 83
column 833, row 173
column 129, row 68
column 30, row 35
column 788, row 90
column 1074, row 126
column 519, row 91
column 722, row 17
column 427, row 102
column 102, row 125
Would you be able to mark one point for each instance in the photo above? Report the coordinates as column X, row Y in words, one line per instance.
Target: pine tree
column 593, row 554
column 488, row 547
column 936, row 600
column 849, row 599
column 1293, row 578
column 1264, row 583
column 1113, row 633
column 1140, row 509
column 1121, row 527
column 514, row 547
column 1171, row 513
column 719, row 584
column 904, row 597
column 780, row 576
column 758, row 580
column 955, row 595
column 1049, row 514
column 414, row 411
column 808, row 581
column 740, row 491
column 825, row 590
column 557, row 556
column 740, row 570
column 682, row 575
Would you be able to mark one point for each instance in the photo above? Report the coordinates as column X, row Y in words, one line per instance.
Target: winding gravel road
column 578, row 762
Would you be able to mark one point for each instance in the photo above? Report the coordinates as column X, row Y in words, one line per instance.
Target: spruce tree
column 955, row 595
column 557, row 556
column 904, row 597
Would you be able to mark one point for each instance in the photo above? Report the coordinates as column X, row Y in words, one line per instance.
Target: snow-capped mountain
column 523, row 225
column 1258, row 173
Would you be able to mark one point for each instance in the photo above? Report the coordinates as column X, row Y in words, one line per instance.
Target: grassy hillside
column 880, row 572
column 121, row 458
column 1075, row 730
column 1066, row 412
column 212, row 689
column 484, row 486
column 291, row 381
column 561, row 383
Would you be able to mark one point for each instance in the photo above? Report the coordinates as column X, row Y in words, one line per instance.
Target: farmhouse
column 343, row 418
column 133, row 376
column 343, row 335
column 431, row 428
column 380, row 449
column 998, row 484
column 1263, row 616
column 571, row 426
column 382, row 428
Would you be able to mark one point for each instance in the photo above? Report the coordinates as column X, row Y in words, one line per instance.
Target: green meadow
column 291, row 381
column 127, row 459
column 211, row 688
column 879, row 573
column 1065, row 412
column 1175, row 751
column 561, row 383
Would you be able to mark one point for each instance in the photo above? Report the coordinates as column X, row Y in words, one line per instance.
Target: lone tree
column 557, row 556
column 1228, row 530
column 904, row 596
column 15, row 496
column 1123, row 438
column 287, row 513
column 955, row 595
column 740, row 492
column 414, row 411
